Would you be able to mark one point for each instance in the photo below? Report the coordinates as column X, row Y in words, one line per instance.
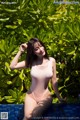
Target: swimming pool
column 55, row 112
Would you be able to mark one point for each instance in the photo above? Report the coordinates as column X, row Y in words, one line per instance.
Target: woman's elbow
column 12, row 67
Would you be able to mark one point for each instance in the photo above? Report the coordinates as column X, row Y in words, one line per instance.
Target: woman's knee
column 28, row 115
column 34, row 115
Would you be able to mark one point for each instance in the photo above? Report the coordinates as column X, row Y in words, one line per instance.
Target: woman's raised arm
column 15, row 64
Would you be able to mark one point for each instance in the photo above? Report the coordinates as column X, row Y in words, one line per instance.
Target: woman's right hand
column 23, row 47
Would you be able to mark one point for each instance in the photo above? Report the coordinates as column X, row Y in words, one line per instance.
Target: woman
column 43, row 69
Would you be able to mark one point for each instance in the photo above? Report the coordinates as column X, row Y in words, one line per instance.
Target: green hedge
column 58, row 26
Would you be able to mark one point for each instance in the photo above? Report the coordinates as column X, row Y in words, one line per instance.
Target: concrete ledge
column 55, row 112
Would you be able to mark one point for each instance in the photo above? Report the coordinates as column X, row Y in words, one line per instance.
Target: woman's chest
column 42, row 71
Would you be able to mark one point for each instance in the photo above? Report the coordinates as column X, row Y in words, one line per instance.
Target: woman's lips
column 41, row 53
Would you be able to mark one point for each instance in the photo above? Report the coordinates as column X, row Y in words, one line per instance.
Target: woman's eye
column 36, row 49
column 40, row 45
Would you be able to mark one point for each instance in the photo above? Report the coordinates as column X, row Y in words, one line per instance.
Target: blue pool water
column 55, row 112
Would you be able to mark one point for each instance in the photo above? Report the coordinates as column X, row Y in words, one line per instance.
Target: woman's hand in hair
column 23, row 47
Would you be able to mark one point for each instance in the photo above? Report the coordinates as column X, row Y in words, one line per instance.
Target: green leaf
column 11, row 26
column 71, row 53
column 2, row 46
column 9, row 82
column 12, row 93
column 66, row 80
column 25, row 33
column 19, row 21
column 55, row 100
column 10, row 10
column 62, row 87
column 4, row 19
column 1, row 99
column 71, row 30
column 21, row 75
column 9, row 99
column 62, row 65
column 7, row 65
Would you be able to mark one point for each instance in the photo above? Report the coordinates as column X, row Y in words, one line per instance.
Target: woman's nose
column 40, row 49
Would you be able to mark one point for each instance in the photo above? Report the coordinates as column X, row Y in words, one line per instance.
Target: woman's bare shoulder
column 52, row 59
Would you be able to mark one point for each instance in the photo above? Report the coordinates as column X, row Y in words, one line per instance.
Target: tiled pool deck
column 55, row 112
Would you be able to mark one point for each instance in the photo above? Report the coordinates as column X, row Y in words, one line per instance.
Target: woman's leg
column 33, row 109
column 41, row 107
column 29, row 106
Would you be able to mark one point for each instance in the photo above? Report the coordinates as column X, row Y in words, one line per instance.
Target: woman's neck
column 40, row 61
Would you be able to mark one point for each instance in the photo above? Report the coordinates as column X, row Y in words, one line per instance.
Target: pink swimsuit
column 41, row 74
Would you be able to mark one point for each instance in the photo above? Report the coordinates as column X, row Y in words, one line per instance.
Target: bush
column 58, row 26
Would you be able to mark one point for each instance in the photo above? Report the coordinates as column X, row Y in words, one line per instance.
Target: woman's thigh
column 32, row 109
column 29, row 105
column 42, row 106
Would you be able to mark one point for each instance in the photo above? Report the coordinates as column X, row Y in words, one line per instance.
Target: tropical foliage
column 58, row 26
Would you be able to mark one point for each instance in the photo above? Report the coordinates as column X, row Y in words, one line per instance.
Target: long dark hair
column 31, row 56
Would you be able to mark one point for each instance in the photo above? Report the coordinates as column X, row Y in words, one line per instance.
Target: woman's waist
column 39, row 93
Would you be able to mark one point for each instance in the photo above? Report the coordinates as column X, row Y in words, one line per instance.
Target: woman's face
column 39, row 49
